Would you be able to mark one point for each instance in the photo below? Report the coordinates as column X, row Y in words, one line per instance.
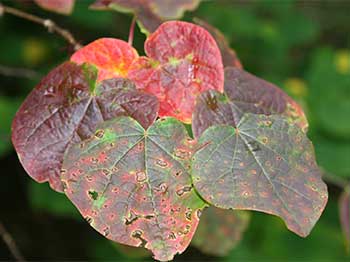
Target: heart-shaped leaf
column 250, row 94
column 183, row 61
column 133, row 185
column 220, row 230
column 65, row 108
column 111, row 56
column 229, row 56
column 64, row 7
column 262, row 163
column 150, row 13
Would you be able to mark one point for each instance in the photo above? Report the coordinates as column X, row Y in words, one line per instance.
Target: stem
column 49, row 24
column 131, row 31
column 11, row 244
column 18, row 72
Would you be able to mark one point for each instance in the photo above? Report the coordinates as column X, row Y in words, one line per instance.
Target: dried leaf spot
column 100, row 133
column 161, row 163
column 264, row 140
column 138, row 234
column 88, row 219
column 183, row 190
column 93, row 194
column 106, row 231
column 211, row 102
column 188, row 214
column 171, row 235
column 161, row 188
column 182, row 154
column 106, row 172
column 131, row 218
column 141, row 176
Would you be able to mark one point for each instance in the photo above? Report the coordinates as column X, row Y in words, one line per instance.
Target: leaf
column 65, row 108
column 220, row 230
column 250, row 94
column 132, row 185
column 150, row 13
column 173, row 9
column 261, row 163
column 229, row 56
column 112, row 57
column 344, row 215
column 183, row 61
column 63, row 7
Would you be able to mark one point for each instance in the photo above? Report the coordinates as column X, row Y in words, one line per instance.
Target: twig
column 131, row 31
column 18, row 72
column 49, row 24
column 11, row 244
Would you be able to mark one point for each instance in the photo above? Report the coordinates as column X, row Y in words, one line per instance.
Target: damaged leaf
column 133, row 185
column 65, row 108
column 261, row 163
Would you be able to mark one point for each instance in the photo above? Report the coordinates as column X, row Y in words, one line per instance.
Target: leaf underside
column 133, row 186
column 183, row 61
column 220, row 230
column 261, row 163
column 65, row 108
column 151, row 13
column 249, row 94
column 64, row 7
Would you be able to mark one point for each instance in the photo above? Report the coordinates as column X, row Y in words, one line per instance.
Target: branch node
column 49, row 24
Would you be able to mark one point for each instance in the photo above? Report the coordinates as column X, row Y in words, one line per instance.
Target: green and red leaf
column 261, row 163
column 248, row 93
column 65, row 108
column 183, row 61
column 220, row 230
column 112, row 57
column 64, row 7
column 133, row 185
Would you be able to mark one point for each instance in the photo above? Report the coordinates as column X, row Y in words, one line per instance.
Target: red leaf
column 183, row 61
column 64, row 7
column 112, row 57
column 65, row 108
column 229, row 56
column 250, row 94
column 133, row 185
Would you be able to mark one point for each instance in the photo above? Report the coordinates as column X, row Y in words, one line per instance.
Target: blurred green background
column 302, row 46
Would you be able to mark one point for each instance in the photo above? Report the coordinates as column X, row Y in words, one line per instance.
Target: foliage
column 283, row 56
column 149, row 170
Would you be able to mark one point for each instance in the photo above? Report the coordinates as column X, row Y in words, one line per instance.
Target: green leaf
column 264, row 163
column 220, row 230
column 133, row 185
